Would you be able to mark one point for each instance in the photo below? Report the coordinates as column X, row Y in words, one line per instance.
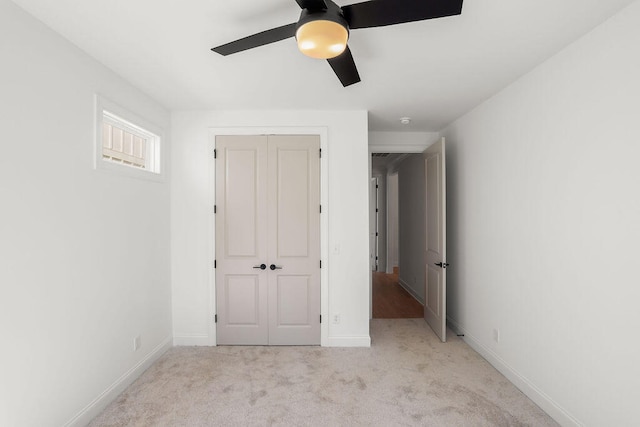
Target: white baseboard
column 359, row 341
column 411, row 291
column 191, row 340
column 557, row 412
column 99, row 403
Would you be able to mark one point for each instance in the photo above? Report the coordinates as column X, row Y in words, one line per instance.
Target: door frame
column 322, row 132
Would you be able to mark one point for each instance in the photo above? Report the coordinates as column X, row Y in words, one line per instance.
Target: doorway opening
column 397, row 235
column 422, row 225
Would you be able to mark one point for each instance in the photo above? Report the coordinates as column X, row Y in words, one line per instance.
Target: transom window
column 126, row 143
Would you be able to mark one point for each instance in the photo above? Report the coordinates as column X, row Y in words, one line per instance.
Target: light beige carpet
column 407, row 377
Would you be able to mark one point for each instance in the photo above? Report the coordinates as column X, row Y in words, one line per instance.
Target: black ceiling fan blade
column 312, row 4
column 378, row 13
column 345, row 68
column 260, row 39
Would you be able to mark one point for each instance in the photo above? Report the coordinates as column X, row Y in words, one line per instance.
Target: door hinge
column 320, row 153
column 215, row 318
column 376, row 209
column 320, row 263
column 320, row 208
column 215, row 153
column 215, row 263
column 376, row 234
column 321, row 318
column 215, row 208
column 377, row 186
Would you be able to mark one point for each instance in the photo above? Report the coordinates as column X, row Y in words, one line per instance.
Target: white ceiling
column 432, row 71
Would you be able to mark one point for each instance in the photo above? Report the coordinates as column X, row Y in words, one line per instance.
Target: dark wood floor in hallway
column 391, row 301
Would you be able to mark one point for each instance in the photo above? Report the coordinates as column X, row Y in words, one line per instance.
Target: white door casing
column 267, row 196
column 435, row 307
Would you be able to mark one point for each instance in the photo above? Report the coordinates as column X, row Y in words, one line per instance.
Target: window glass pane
column 106, row 135
column 117, row 139
column 138, row 147
column 128, row 144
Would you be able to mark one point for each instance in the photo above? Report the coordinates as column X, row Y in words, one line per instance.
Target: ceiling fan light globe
column 322, row 39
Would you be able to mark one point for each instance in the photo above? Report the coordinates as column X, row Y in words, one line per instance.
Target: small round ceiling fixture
column 405, row 120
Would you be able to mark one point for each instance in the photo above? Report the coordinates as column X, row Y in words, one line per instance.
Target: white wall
column 79, row 279
column 347, row 209
column 411, row 224
column 544, row 227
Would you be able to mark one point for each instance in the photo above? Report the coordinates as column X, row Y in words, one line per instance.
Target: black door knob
column 261, row 266
column 275, row 267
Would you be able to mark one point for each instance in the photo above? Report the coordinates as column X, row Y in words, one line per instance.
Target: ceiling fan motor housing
column 333, row 13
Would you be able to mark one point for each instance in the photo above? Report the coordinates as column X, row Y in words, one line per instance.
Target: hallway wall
column 411, row 214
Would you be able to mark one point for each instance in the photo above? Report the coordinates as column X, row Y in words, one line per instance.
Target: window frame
column 109, row 112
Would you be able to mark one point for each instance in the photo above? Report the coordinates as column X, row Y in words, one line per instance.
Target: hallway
column 392, row 301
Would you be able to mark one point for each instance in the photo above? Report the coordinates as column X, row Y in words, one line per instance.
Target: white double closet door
column 268, row 240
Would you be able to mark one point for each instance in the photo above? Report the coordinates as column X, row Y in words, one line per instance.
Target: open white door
column 435, row 307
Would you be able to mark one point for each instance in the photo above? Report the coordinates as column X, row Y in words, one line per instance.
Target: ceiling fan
column 323, row 28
